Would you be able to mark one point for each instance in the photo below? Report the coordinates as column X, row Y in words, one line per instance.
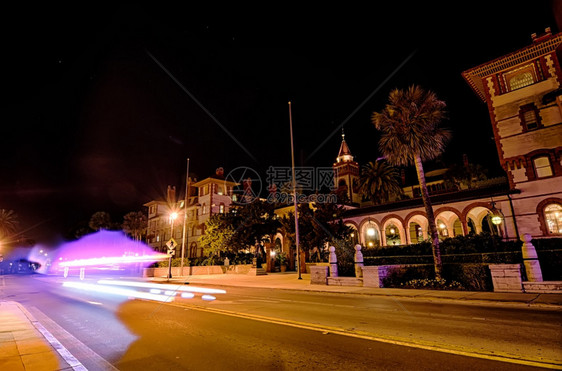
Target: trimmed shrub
column 432, row 284
column 473, row 277
column 551, row 264
column 408, row 273
column 346, row 258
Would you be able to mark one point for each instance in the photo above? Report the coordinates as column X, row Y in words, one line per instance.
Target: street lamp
column 496, row 214
column 173, row 217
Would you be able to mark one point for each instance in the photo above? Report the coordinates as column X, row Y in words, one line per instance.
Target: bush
column 176, row 262
column 346, row 258
column 473, row 277
column 408, row 273
column 432, row 284
column 551, row 263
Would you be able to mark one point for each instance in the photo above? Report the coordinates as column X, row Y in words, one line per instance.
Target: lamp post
column 184, row 233
column 173, row 217
column 295, row 195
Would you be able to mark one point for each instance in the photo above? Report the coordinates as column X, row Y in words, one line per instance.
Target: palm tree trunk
column 430, row 218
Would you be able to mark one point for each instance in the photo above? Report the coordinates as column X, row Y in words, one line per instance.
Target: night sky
column 103, row 105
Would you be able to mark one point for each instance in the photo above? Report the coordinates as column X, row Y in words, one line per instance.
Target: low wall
column 374, row 275
column 319, row 275
column 187, row 271
column 309, row 265
column 237, row 269
column 506, row 277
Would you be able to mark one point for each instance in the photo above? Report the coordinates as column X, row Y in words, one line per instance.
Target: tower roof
column 344, row 154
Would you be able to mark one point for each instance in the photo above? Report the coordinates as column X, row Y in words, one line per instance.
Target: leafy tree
column 254, row 222
column 380, row 182
column 100, row 220
column 218, row 237
column 410, row 134
column 464, row 176
column 134, row 224
column 318, row 225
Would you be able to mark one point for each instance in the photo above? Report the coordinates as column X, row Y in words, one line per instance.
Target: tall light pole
column 173, row 216
column 184, row 233
column 295, row 195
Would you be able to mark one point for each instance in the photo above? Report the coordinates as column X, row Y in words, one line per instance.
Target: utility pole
column 184, row 234
column 295, row 195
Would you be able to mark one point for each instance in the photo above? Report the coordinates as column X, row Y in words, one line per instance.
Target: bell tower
column 346, row 173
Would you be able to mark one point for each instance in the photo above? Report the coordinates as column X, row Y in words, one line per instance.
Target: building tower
column 346, row 173
column 524, row 97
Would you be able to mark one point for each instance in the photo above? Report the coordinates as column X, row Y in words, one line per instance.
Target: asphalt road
column 289, row 330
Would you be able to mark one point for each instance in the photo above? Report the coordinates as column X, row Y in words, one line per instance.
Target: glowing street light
column 173, row 217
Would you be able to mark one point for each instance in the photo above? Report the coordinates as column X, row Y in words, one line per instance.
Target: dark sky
column 103, row 105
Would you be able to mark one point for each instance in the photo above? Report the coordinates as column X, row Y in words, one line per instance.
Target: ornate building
column 524, row 99
column 522, row 91
column 205, row 198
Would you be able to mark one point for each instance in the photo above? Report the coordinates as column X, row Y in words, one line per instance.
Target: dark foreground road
column 287, row 330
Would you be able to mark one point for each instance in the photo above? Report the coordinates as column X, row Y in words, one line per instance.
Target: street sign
column 171, row 252
column 171, row 244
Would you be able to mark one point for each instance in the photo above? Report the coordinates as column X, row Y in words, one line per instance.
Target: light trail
column 118, row 291
column 162, row 286
column 112, row 260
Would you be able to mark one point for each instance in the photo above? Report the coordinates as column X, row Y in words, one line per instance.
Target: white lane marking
column 76, row 345
column 65, row 354
column 94, row 302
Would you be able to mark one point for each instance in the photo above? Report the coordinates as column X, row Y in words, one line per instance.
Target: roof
column 344, row 149
column 213, row 179
column 438, row 199
column 541, row 46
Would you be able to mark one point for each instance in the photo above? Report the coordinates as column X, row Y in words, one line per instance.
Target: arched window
column 553, row 218
column 392, row 235
column 416, row 233
column 204, row 209
column 371, row 235
column 521, row 80
column 221, row 208
column 442, row 230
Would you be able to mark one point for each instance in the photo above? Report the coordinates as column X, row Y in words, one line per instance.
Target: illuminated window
column 521, row 80
column 204, row 209
column 529, row 117
column 542, row 167
column 553, row 218
column 221, row 208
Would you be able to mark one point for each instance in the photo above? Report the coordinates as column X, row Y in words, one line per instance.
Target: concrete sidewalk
column 23, row 342
column 290, row 281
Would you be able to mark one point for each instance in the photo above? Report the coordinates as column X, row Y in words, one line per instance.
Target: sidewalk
column 22, row 344
column 290, row 281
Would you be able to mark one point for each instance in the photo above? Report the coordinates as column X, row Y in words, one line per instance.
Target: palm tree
column 410, row 134
column 379, row 181
column 8, row 223
column 134, row 223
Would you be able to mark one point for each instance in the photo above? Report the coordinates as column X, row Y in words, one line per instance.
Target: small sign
column 171, row 252
column 171, row 244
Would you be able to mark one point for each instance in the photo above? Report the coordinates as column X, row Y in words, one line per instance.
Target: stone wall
column 506, row 277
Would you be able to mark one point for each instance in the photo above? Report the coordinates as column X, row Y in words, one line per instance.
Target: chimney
column 546, row 35
column 171, row 195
